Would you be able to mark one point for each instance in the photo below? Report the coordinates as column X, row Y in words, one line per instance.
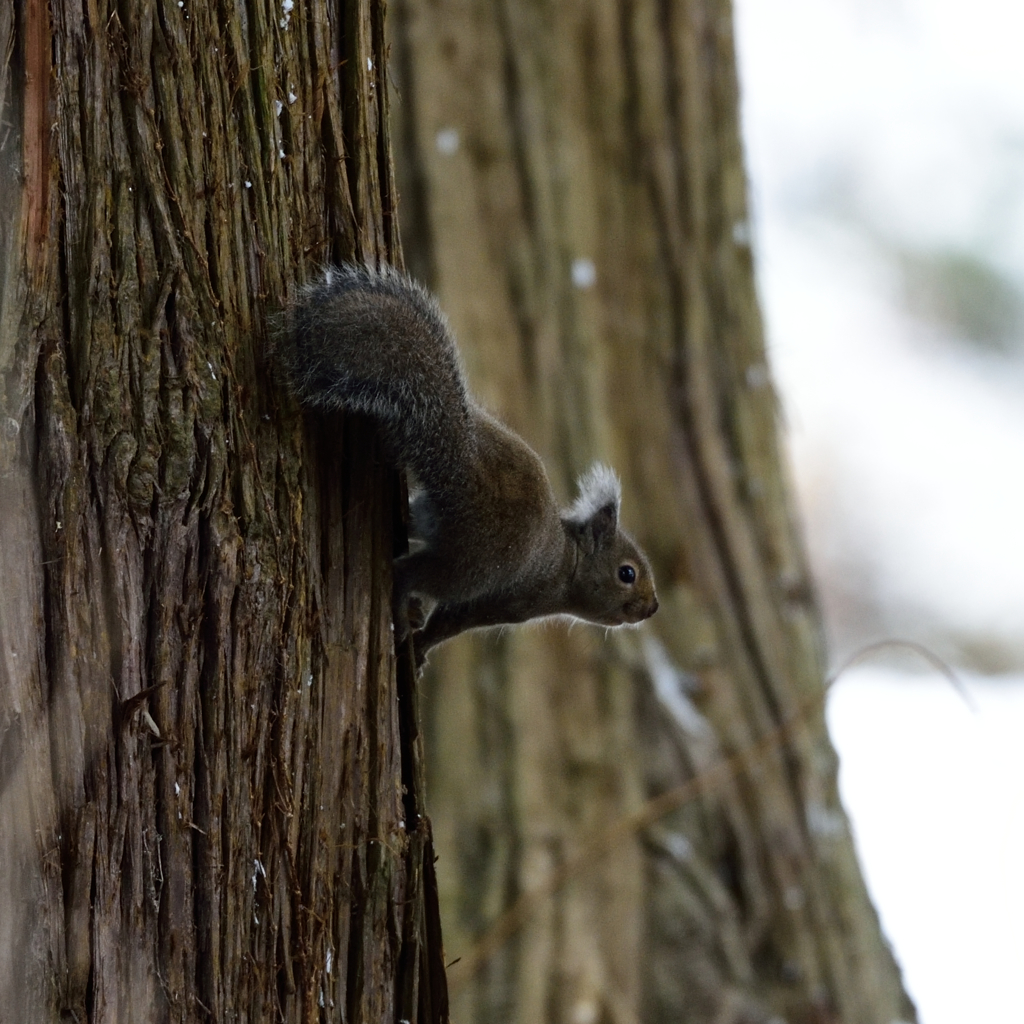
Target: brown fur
column 495, row 547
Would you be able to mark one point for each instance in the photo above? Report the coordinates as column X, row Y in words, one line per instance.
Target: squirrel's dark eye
column 627, row 574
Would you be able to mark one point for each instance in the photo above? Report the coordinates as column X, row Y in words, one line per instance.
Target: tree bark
column 641, row 826
column 210, row 787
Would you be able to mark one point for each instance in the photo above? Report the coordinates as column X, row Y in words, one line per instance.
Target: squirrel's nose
column 653, row 607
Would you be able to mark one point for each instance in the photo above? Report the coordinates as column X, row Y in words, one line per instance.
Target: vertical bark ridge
column 205, row 755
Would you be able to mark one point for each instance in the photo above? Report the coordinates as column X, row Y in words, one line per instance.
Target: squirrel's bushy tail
column 375, row 342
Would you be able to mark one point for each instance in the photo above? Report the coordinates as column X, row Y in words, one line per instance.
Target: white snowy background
column 885, row 142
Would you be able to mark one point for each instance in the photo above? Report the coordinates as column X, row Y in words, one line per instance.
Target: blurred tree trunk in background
column 573, row 187
column 202, row 749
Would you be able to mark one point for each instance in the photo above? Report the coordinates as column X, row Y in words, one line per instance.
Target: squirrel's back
column 375, row 342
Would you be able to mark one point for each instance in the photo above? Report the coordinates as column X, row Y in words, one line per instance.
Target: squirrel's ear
column 595, row 513
column 602, row 525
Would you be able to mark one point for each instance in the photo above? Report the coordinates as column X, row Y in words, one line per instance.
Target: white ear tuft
column 598, row 487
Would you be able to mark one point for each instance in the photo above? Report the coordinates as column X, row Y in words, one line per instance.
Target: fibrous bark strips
column 211, row 783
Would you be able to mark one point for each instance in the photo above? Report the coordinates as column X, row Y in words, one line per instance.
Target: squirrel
column 490, row 544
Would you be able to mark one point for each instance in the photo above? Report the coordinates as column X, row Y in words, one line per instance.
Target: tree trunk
column 640, row 826
column 209, row 787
